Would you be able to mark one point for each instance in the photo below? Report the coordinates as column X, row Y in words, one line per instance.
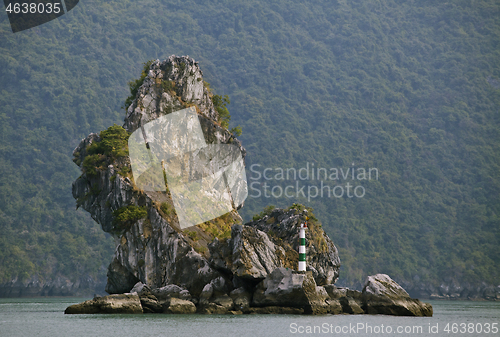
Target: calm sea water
column 45, row 317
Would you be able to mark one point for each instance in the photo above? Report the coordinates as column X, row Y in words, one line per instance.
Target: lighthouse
column 302, row 246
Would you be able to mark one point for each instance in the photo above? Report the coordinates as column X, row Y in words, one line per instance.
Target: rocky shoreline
column 283, row 291
column 449, row 291
column 455, row 291
column 64, row 287
column 59, row 286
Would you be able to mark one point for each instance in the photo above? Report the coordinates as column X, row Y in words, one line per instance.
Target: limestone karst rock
column 151, row 249
column 218, row 266
column 259, row 247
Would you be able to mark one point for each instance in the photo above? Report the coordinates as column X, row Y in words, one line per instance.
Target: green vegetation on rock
column 125, row 216
column 134, row 85
column 267, row 211
column 220, row 103
column 166, row 208
column 219, row 227
column 113, row 145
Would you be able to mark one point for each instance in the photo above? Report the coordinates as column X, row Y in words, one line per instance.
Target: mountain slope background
column 411, row 89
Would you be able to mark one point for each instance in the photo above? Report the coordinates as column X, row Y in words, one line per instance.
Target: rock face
column 157, row 260
column 249, row 254
column 259, row 247
column 282, row 226
column 151, row 249
column 169, row 85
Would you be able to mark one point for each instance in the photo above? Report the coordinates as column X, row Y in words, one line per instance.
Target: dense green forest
column 409, row 88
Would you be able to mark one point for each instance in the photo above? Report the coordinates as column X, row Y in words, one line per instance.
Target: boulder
column 254, row 255
column 206, row 293
column 220, row 286
column 287, row 288
column 213, row 308
column 140, row 288
column 334, row 307
column 87, row 307
column 150, row 304
column 216, row 288
column 214, row 298
column 241, row 298
column 179, row 306
column 381, row 295
column 170, row 291
column 334, row 292
column 249, row 254
column 382, row 284
column 350, row 306
column 375, row 304
column 355, row 294
column 224, row 301
column 111, row 304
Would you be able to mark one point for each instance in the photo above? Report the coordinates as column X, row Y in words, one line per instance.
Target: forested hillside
column 409, row 88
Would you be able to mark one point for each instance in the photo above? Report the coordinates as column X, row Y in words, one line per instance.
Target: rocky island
column 220, row 266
